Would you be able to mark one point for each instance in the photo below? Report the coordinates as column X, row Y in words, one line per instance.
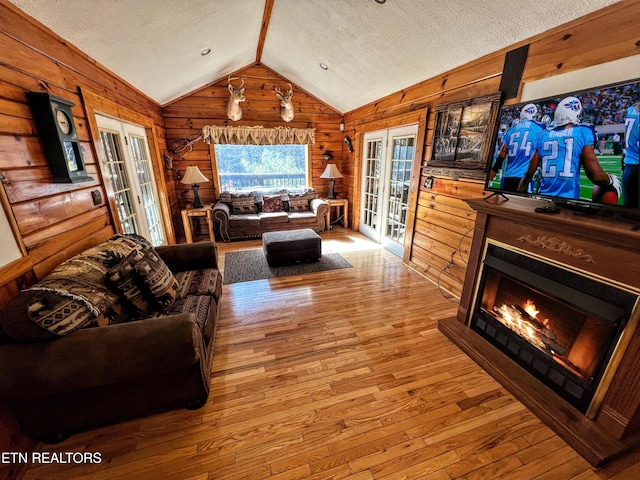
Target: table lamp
column 194, row 176
column 331, row 172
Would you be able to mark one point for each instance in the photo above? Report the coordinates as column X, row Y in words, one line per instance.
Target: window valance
column 258, row 135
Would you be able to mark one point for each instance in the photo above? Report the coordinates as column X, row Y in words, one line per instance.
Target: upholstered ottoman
column 291, row 246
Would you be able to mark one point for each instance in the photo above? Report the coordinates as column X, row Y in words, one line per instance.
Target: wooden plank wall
column 441, row 239
column 184, row 118
column 55, row 221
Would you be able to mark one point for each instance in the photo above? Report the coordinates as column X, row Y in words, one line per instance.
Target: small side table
column 197, row 212
column 339, row 203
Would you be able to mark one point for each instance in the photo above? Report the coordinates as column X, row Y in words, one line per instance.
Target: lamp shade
column 331, row 172
column 193, row 175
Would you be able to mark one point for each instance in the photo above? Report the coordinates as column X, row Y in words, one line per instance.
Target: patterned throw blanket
column 76, row 293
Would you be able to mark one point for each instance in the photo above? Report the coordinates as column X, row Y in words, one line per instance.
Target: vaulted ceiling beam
column 266, row 18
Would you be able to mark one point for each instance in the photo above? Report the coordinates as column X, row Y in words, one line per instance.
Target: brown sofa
column 250, row 214
column 74, row 361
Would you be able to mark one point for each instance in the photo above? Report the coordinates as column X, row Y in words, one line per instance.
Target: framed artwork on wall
column 462, row 138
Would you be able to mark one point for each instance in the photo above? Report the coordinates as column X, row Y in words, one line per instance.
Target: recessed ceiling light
column 323, row 66
column 380, row 2
column 206, row 51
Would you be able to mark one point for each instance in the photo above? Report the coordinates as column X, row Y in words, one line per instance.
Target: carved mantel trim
column 588, row 240
column 556, row 245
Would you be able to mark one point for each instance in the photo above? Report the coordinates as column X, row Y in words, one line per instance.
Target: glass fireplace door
column 561, row 326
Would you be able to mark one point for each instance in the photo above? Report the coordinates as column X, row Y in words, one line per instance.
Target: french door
column 129, row 174
column 388, row 157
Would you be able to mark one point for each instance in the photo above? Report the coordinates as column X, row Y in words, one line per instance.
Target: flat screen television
column 608, row 113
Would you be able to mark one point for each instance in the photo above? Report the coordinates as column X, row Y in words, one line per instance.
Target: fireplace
column 550, row 308
column 559, row 325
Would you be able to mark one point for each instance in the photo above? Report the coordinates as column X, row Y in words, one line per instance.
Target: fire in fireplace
column 561, row 325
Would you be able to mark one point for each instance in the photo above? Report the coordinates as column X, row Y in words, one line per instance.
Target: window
column 245, row 167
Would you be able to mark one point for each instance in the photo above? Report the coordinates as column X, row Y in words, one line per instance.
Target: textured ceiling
column 370, row 50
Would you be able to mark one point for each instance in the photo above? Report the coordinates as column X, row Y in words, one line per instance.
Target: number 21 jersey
column 559, row 151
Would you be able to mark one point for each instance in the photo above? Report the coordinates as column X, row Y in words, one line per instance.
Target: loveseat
column 239, row 215
column 121, row 330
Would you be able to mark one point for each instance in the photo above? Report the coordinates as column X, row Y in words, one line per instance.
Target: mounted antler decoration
column 234, row 110
column 286, row 104
column 348, row 143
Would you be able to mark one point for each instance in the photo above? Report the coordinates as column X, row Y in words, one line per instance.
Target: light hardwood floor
column 337, row 375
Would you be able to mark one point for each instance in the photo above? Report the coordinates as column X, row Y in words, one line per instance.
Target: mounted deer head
column 286, row 104
column 234, row 110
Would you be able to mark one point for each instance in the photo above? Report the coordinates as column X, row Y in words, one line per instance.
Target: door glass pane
column 147, row 189
column 371, row 182
column 116, row 168
column 400, row 177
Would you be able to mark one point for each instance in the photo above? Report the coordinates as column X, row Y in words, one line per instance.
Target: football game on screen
column 581, row 146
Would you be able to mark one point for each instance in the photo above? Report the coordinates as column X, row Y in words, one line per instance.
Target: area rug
column 249, row 265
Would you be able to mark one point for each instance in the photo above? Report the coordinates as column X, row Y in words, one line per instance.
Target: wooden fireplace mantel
column 598, row 246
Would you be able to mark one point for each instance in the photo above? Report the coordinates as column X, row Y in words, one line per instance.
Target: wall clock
column 59, row 137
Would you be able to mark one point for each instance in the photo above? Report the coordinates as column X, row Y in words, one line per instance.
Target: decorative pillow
column 298, row 203
column 119, row 312
column 72, row 295
column 225, row 197
column 257, row 197
column 138, row 240
column 206, row 281
column 242, row 204
column 260, row 192
column 158, row 279
column 125, row 279
column 271, row 203
column 311, row 194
